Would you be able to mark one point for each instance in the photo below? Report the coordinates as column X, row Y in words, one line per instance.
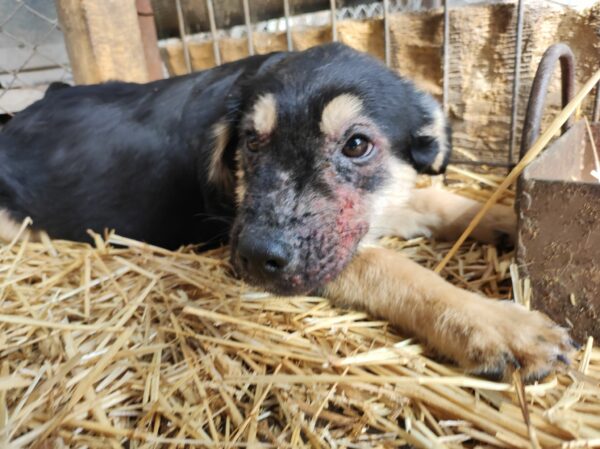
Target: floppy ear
column 431, row 142
column 223, row 133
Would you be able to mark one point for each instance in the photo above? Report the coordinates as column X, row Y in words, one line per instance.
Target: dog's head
column 322, row 134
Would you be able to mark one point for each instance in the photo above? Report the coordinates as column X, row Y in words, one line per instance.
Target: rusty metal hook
column 535, row 107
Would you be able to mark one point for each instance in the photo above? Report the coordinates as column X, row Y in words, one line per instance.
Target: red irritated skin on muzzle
column 316, row 143
column 313, row 233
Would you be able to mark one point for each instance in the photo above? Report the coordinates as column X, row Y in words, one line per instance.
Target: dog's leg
column 484, row 336
column 442, row 214
column 454, row 212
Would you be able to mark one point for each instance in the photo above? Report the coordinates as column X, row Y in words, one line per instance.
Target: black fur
column 134, row 157
column 130, row 157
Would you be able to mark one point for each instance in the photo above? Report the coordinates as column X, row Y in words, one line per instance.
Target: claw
column 498, row 371
column 511, row 360
column 496, row 374
column 574, row 344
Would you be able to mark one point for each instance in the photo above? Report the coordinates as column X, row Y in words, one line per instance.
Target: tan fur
column 437, row 130
column 434, row 212
column 240, row 188
column 449, row 214
column 340, row 112
column 264, row 114
column 476, row 332
column 10, row 228
column 389, row 203
column 218, row 173
column 240, row 185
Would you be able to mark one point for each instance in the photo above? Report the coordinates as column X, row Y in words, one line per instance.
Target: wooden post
column 103, row 40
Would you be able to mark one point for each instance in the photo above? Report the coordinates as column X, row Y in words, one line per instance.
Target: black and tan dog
column 303, row 160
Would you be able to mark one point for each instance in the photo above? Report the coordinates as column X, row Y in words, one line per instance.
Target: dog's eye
column 357, row 146
column 252, row 141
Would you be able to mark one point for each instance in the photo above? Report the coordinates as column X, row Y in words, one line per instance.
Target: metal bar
column 333, row 7
column 288, row 27
column 516, row 82
column 248, row 27
column 480, row 163
column 446, row 57
column 596, row 113
column 539, row 89
column 213, row 31
column 186, row 50
column 386, row 33
column 149, row 39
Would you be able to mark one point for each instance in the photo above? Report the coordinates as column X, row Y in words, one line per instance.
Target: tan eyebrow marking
column 339, row 112
column 264, row 114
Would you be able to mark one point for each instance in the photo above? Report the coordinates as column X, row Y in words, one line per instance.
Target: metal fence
column 32, row 52
column 372, row 10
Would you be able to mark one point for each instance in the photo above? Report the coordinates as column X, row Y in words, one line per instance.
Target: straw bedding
column 135, row 346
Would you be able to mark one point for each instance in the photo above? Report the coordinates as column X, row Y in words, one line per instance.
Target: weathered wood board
column 103, row 40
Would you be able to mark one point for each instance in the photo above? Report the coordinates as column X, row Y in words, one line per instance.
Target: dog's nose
column 263, row 257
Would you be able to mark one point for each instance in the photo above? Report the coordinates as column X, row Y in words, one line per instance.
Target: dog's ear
column 226, row 97
column 431, row 141
column 233, row 91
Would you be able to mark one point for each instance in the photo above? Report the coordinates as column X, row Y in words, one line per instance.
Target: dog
column 301, row 161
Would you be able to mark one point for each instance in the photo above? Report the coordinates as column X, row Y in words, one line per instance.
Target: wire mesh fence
column 32, row 52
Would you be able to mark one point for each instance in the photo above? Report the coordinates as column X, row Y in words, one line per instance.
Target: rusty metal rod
column 149, row 39
column 186, row 50
column 514, row 106
column 248, row 23
column 539, row 88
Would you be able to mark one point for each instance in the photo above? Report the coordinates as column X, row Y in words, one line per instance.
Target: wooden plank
column 79, row 46
column 103, row 40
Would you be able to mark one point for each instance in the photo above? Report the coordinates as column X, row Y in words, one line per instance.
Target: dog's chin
column 285, row 285
column 293, row 284
column 285, row 289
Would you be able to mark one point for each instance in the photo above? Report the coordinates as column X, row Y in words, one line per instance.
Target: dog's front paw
column 499, row 226
column 506, row 336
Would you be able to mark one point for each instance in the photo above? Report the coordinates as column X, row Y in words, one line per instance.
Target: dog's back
column 123, row 156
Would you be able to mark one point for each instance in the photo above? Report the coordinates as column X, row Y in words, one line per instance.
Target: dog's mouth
column 287, row 264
